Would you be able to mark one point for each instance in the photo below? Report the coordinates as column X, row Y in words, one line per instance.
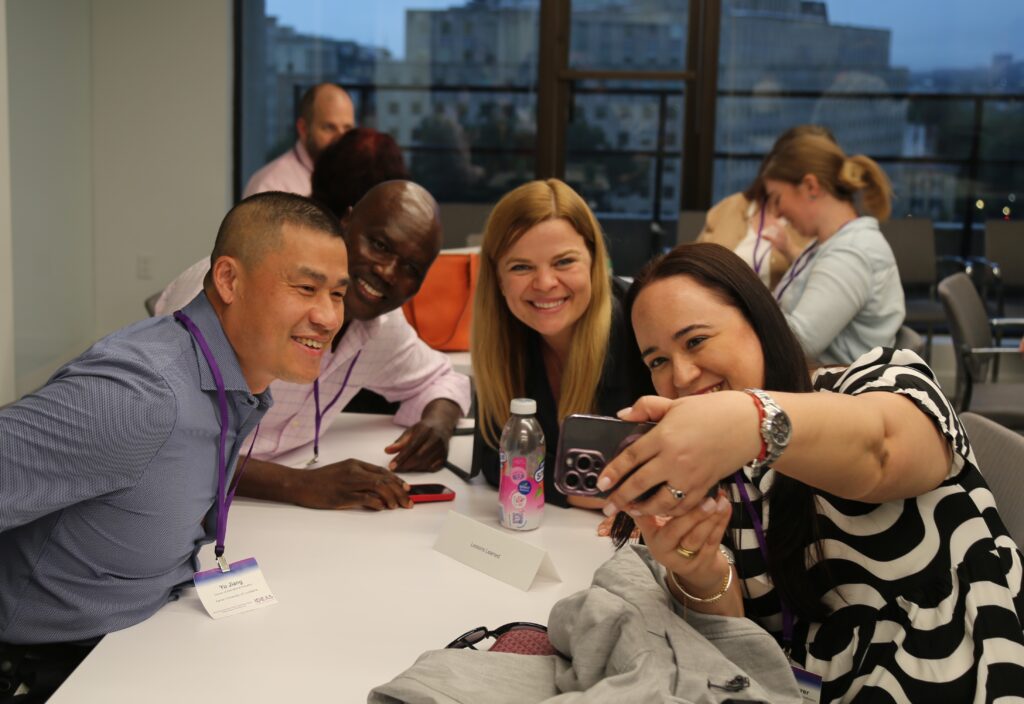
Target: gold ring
column 686, row 554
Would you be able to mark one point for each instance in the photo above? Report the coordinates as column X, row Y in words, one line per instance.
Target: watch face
column 781, row 429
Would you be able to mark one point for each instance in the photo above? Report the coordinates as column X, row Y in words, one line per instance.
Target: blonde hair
column 498, row 340
column 840, row 175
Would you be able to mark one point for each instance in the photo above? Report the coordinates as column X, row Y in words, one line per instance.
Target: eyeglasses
column 535, row 640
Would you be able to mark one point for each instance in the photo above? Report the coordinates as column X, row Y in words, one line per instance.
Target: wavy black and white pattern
column 924, row 593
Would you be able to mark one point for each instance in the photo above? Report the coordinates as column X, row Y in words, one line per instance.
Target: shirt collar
column 205, row 318
column 304, row 158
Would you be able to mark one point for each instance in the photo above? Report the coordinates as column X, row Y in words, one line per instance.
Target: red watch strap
column 760, row 420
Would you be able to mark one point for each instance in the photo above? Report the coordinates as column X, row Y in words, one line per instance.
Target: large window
column 454, row 84
column 626, row 101
column 935, row 97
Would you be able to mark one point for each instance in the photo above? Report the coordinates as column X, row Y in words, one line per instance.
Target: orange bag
column 442, row 310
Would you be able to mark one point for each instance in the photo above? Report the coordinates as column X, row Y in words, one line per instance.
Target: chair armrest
column 1006, row 322
column 992, row 350
column 985, row 266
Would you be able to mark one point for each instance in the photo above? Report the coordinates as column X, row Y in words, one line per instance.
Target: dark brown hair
column 785, row 369
column 350, row 167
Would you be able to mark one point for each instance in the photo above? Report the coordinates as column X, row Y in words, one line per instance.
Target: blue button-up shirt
column 108, row 478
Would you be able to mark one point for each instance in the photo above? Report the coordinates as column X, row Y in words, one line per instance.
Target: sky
column 927, row 34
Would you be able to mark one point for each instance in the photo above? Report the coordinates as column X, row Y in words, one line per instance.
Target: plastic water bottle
column 521, row 452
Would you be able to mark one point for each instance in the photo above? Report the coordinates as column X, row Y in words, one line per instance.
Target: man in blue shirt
column 109, row 473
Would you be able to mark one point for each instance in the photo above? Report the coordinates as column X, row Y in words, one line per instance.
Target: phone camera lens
column 572, row 480
column 598, row 464
column 590, row 481
column 583, row 462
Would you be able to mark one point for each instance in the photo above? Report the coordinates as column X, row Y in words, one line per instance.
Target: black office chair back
column 913, row 245
column 1004, row 245
column 909, row 339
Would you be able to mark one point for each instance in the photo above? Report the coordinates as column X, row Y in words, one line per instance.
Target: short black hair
column 253, row 227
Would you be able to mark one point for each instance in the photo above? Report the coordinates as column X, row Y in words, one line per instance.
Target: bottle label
column 521, row 490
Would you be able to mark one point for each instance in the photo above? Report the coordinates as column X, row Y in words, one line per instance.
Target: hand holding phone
column 425, row 493
column 586, row 444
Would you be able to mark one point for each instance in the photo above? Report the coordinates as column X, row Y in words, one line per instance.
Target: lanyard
column 757, row 245
column 787, row 615
column 798, row 266
column 225, row 494
column 319, row 414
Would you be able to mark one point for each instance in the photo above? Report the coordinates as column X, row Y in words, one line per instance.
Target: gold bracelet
column 726, row 583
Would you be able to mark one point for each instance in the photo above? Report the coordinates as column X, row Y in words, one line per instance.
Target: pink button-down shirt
column 292, row 172
column 394, row 363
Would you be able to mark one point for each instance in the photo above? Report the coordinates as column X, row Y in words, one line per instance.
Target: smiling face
column 693, row 342
column 545, row 278
column 393, row 236
column 284, row 310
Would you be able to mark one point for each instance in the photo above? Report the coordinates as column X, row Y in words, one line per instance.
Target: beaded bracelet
column 726, row 583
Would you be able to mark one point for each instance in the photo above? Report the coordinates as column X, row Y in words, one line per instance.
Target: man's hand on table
column 353, row 484
column 346, row 484
column 423, row 447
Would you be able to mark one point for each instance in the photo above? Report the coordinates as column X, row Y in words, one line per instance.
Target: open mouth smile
column 548, row 306
column 367, row 290
column 310, row 343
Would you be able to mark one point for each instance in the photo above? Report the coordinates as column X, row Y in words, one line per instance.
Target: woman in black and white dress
column 862, row 534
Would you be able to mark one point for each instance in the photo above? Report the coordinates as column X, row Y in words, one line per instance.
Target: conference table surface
column 360, row 594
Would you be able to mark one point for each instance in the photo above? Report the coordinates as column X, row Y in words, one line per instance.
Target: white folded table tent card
column 495, row 552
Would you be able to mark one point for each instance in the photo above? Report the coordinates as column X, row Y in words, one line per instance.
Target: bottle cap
column 523, row 406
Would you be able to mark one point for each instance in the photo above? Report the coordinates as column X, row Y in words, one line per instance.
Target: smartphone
column 585, row 445
column 423, row 493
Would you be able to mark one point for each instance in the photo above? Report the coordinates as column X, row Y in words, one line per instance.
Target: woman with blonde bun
column 842, row 295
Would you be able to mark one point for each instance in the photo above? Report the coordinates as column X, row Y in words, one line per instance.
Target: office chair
column 971, row 330
column 1000, row 455
column 913, row 244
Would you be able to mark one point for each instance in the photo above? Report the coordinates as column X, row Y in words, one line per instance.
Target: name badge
column 242, row 588
column 808, row 683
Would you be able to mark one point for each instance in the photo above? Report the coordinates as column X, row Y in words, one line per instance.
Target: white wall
column 162, row 77
column 7, row 393
column 120, row 165
column 51, row 193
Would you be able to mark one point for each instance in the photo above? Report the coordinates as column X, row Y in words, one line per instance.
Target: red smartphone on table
column 425, row 493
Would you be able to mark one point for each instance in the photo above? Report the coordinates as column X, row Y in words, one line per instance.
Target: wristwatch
column 776, row 430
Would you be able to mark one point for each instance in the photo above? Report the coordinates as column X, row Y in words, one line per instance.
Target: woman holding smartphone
column 548, row 322
column 852, row 523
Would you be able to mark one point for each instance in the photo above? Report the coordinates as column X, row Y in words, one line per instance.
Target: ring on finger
column 685, row 553
column 679, row 494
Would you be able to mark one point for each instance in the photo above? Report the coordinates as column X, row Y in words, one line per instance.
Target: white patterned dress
column 924, row 594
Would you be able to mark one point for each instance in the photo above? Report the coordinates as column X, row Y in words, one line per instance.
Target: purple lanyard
column 757, row 244
column 787, row 615
column 225, row 494
column 319, row 414
column 798, row 266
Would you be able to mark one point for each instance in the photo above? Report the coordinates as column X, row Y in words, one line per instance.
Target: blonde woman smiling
column 548, row 323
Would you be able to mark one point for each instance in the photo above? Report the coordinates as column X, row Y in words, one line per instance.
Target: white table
column 361, row 595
